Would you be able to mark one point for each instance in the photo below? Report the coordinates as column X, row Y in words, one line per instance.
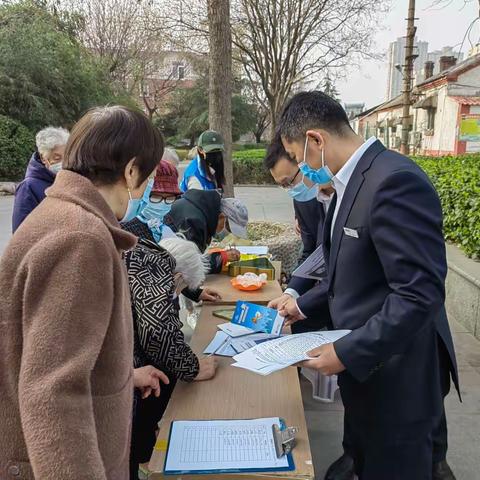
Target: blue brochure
column 258, row 318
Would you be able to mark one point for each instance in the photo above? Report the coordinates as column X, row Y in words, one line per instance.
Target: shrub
column 457, row 181
column 248, row 146
column 16, row 146
column 248, row 168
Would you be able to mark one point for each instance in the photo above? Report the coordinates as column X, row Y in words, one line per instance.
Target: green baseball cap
column 211, row 141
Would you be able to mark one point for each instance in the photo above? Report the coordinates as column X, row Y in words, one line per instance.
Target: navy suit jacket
column 388, row 287
column 311, row 217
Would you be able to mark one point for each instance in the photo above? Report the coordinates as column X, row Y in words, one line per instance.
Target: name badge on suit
column 350, row 232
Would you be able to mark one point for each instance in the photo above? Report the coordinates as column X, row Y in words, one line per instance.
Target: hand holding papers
column 274, row 355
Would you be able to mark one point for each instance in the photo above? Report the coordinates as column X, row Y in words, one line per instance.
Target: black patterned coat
column 159, row 340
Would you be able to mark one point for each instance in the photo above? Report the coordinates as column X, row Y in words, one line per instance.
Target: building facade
column 446, row 112
column 396, row 59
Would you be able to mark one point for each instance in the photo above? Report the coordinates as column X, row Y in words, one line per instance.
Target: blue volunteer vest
column 195, row 170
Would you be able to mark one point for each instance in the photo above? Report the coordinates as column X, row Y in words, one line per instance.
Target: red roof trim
column 467, row 100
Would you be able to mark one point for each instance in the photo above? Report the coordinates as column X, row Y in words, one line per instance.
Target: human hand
column 147, row 380
column 233, row 255
column 289, row 310
column 180, row 283
column 278, row 302
column 209, row 295
column 325, row 360
column 208, row 367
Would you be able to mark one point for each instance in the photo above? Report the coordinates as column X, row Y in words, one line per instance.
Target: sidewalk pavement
column 325, row 421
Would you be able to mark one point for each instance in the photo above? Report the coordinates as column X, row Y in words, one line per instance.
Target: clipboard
column 284, row 441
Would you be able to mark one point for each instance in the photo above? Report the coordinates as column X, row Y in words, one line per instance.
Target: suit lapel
column 347, row 202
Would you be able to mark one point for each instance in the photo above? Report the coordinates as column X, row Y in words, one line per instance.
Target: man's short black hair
column 275, row 152
column 312, row 110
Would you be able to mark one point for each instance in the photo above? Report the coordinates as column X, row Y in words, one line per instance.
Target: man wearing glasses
column 310, row 203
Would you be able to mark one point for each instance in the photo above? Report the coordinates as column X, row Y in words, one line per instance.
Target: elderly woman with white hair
column 41, row 172
column 157, row 274
column 171, row 156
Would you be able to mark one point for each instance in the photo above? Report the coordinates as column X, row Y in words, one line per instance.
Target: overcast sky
column 439, row 27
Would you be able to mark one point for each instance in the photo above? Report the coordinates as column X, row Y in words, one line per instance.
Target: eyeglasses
column 289, row 184
column 168, row 199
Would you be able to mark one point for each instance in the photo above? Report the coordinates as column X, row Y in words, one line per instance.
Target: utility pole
column 408, row 75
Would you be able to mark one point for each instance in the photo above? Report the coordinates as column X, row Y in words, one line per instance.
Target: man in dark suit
column 310, row 205
column 386, row 265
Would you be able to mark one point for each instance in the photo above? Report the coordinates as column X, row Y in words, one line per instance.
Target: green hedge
column 16, row 146
column 248, row 168
column 457, row 180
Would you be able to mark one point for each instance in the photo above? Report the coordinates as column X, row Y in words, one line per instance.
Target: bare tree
column 220, row 71
column 438, row 4
column 154, row 93
column 120, row 32
column 284, row 43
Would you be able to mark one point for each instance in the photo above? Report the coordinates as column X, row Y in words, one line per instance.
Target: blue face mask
column 133, row 208
column 152, row 213
column 220, row 236
column 301, row 193
column 321, row 176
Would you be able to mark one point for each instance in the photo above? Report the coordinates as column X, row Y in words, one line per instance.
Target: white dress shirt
column 341, row 179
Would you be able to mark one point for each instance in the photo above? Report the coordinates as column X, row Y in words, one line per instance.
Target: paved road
column 264, row 203
column 6, row 205
column 325, row 421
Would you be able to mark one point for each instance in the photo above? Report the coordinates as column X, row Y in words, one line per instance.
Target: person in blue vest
column 206, row 170
column 41, row 172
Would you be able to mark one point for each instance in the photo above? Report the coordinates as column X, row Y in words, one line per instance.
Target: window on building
column 431, row 118
column 145, row 90
column 181, row 72
column 178, row 70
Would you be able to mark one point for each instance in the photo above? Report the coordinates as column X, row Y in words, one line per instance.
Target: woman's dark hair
column 105, row 139
column 214, row 160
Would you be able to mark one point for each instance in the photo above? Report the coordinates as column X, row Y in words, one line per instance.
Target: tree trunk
column 258, row 136
column 220, row 68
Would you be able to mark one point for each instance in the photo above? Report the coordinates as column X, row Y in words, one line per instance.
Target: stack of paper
column 253, row 250
column 313, row 267
column 250, row 325
column 226, row 345
column 224, row 446
column 269, row 357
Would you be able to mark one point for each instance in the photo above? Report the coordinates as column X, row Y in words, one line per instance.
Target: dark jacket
column 195, row 215
column 158, row 338
column 386, row 283
column 31, row 191
column 311, row 217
